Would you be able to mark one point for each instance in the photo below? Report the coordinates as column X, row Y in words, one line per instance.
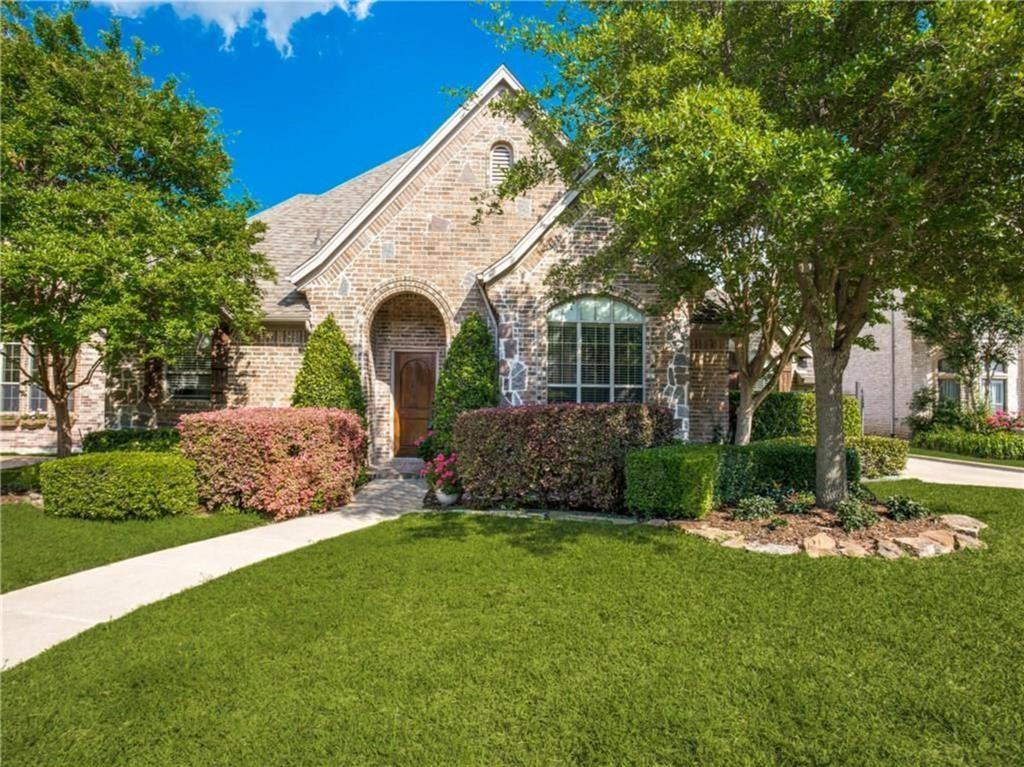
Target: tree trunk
column 830, row 456
column 63, row 416
column 744, row 413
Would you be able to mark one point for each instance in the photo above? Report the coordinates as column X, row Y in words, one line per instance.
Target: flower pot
column 446, row 499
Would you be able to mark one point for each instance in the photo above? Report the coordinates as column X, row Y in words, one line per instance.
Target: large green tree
column 866, row 147
column 116, row 231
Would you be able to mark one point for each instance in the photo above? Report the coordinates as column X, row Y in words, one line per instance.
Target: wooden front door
column 415, row 373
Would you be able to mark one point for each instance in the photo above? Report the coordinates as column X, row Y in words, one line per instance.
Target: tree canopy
column 857, row 148
column 117, row 233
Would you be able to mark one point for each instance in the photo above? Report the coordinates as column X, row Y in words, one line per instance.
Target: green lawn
column 462, row 640
column 35, row 547
column 925, row 453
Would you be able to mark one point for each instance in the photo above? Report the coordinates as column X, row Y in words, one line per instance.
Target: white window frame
column 579, row 323
column 169, row 371
column 7, row 348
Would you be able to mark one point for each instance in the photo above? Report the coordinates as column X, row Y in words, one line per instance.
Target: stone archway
column 408, row 336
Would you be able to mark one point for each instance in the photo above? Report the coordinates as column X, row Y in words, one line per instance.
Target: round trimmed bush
column 119, row 485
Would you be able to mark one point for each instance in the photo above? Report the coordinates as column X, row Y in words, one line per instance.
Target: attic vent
column 501, row 161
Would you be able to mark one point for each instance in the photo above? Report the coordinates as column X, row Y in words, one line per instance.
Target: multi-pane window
column 997, row 387
column 11, row 378
column 595, row 352
column 37, row 402
column 189, row 376
column 949, row 383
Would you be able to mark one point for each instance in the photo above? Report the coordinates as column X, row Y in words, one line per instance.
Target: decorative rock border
column 958, row 532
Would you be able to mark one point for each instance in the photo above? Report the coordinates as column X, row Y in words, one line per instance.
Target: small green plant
column 754, row 507
column 902, row 508
column 854, row 514
column 861, row 492
column 778, row 523
column 798, row 503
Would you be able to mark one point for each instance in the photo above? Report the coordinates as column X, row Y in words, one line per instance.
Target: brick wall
column 709, row 384
column 86, row 414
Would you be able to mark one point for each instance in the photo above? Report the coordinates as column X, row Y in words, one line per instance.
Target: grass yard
column 461, row 640
column 35, row 547
column 925, row 453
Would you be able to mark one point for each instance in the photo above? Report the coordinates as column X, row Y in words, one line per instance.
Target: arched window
column 595, row 352
column 501, row 161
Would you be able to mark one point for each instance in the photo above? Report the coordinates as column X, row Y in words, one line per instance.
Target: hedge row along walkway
column 40, row 616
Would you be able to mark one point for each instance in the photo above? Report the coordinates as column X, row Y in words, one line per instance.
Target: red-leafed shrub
column 280, row 461
column 554, row 456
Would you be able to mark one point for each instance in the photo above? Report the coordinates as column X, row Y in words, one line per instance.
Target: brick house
column 394, row 255
column 885, row 378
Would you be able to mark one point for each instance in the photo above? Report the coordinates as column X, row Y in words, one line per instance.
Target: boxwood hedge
column 793, row 414
column 160, row 440
column 119, row 485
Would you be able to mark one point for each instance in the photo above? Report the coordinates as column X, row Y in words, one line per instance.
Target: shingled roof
column 299, row 226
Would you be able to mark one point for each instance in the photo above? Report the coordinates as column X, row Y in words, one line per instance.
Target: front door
column 414, row 395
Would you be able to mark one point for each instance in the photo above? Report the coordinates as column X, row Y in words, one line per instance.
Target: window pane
column 945, row 366
column 594, row 394
column 37, row 402
column 625, row 313
column 949, row 389
column 629, row 355
column 629, row 394
column 562, row 354
column 997, row 394
column 561, row 394
column 595, row 367
column 564, row 313
column 190, row 375
column 11, row 394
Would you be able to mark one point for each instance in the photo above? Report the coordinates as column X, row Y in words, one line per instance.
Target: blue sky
column 313, row 93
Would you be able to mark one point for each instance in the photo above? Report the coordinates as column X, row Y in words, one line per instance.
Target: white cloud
column 276, row 17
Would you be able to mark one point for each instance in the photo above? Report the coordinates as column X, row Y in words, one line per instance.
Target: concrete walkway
column 40, row 616
column 960, row 473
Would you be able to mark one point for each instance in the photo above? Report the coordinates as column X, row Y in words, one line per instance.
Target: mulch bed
column 800, row 526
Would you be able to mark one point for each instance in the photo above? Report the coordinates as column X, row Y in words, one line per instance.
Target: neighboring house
column 885, row 379
column 394, row 255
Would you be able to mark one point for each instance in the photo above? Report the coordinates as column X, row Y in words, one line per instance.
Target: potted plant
column 442, row 475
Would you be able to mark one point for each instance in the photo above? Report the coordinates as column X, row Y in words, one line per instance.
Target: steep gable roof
column 298, row 227
column 500, row 78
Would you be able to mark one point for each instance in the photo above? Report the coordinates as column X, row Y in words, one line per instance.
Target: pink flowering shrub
column 1001, row 421
column 554, row 456
column 442, row 473
column 278, row 461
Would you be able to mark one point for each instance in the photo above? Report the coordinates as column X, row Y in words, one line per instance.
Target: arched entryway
column 407, row 343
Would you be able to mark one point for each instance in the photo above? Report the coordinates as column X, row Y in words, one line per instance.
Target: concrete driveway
column 963, row 473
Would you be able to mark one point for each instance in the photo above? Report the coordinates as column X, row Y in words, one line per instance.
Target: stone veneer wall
column 405, row 322
column 86, row 413
column 521, row 300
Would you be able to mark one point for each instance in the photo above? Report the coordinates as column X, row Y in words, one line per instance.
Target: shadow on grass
column 538, row 536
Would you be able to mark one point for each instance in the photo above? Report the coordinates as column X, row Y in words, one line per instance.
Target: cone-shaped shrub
column 468, row 381
column 329, row 376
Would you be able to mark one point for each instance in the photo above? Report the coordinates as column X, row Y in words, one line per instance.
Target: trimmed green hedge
column 119, row 485
column 672, row 481
column 880, row 456
column 999, row 444
column 468, row 380
column 676, row 481
column 792, row 414
column 20, row 479
column 329, row 376
column 162, row 440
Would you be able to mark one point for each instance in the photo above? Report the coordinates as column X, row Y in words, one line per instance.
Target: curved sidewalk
column 962, row 473
column 40, row 616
